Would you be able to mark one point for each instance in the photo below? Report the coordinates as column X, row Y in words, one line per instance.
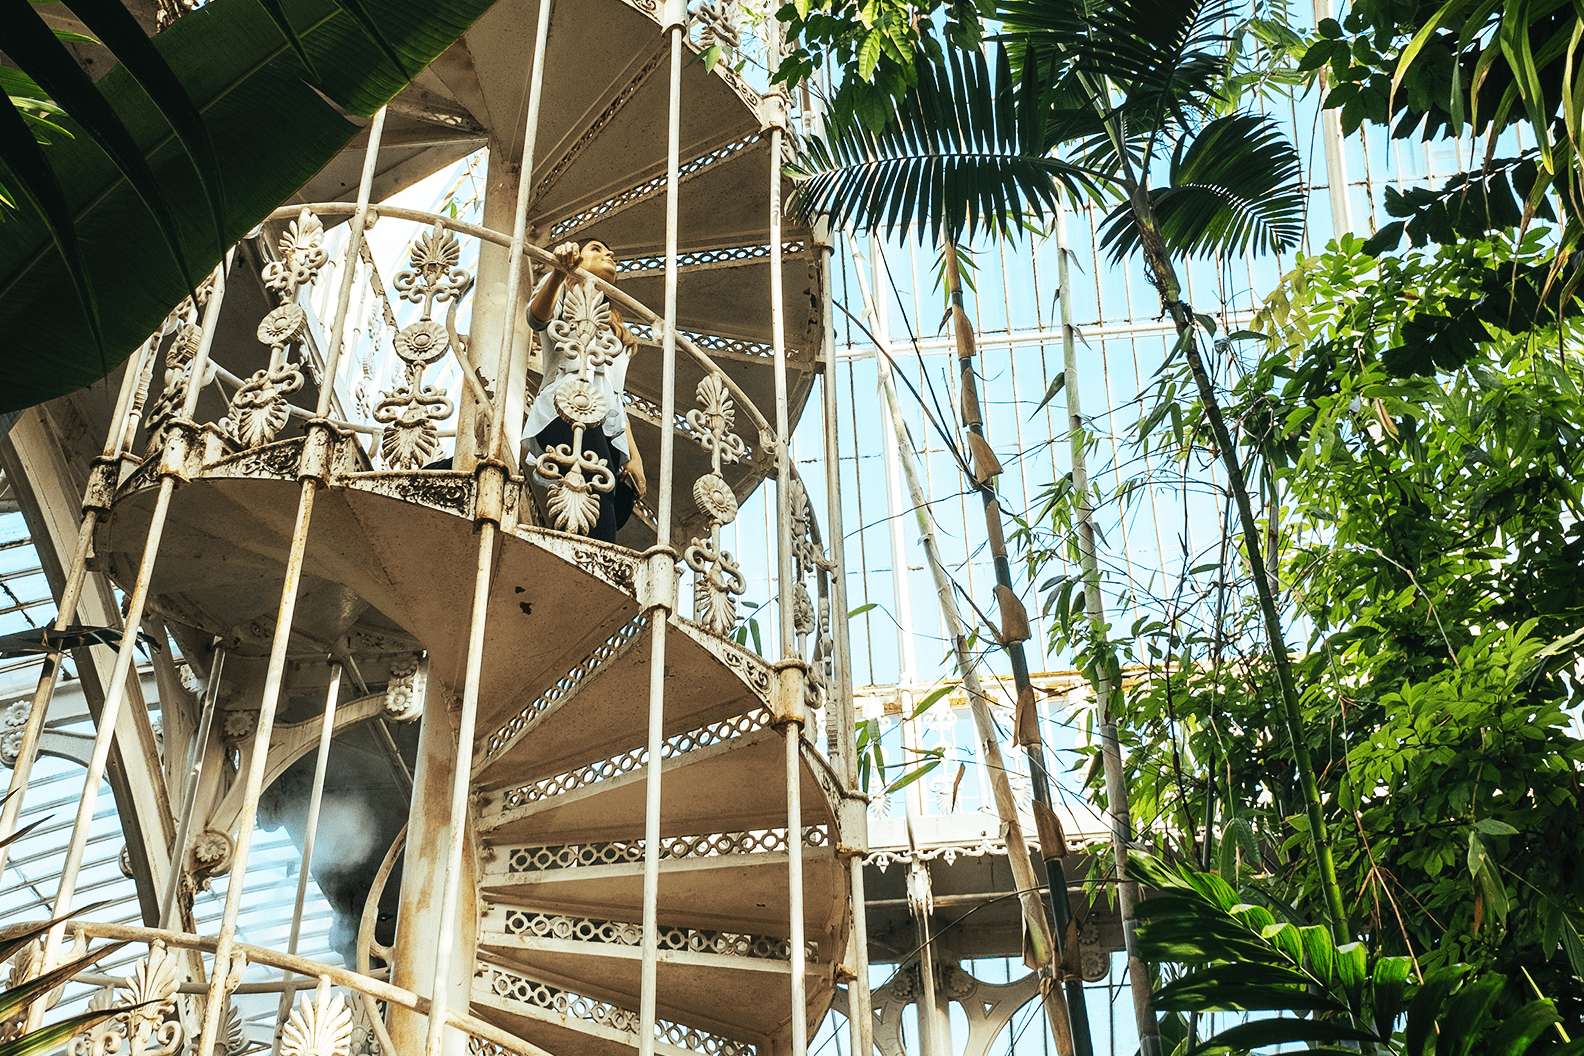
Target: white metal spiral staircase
column 217, row 457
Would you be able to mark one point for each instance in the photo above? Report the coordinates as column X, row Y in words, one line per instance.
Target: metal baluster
column 176, row 446
column 315, row 458
column 310, row 834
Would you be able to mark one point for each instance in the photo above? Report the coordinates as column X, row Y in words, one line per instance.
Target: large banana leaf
column 270, row 129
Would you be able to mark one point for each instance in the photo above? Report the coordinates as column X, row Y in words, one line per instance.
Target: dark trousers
column 615, row 507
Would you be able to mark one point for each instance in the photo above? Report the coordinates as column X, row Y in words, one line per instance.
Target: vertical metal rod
column 797, row 953
column 648, row 968
column 71, row 594
column 275, row 672
column 310, row 835
column 349, row 268
column 195, row 769
column 116, row 692
column 775, row 106
column 859, row 1021
column 1018, row 859
column 1094, row 607
column 258, row 759
column 467, row 720
column 1335, row 158
column 445, row 941
column 514, row 265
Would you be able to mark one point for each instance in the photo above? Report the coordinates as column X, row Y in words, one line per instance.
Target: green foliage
column 964, row 151
column 1429, row 537
column 1081, row 100
column 1233, row 955
column 1469, row 69
column 874, row 46
column 95, row 209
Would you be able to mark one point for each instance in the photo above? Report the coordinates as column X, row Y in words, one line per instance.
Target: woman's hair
column 622, row 333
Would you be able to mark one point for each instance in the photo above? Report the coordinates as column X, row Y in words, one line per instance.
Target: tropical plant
column 231, row 109
column 1305, row 988
column 45, row 986
column 1429, row 542
column 1117, row 88
column 1464, row 70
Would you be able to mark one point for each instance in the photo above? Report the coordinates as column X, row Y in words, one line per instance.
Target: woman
column 612, row 440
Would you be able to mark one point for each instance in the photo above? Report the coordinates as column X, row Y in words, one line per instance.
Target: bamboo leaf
column 45, row 1039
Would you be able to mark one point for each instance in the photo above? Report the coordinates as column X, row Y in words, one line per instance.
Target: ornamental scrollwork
column 11, row 726
column 301, row 256
column 718, row 580
column 585, row 339
column 411, row 411
column 258, row 410
column 151, row 1024
column 319, row 1026
column 404, row 694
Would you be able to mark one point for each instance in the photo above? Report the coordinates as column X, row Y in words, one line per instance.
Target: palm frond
column 1235, row 187
column 963, row 152
column 1155, row 62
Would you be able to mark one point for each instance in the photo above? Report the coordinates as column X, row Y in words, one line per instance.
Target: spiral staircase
column 556, row 798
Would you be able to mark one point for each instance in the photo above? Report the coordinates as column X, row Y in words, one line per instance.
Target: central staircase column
column 423, row 863
column 489, row 298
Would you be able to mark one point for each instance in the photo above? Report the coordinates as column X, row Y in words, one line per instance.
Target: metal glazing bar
column 310, row 834
column 1018, row 859
column 116, row 692
column 858, row 1007
column 1094, row 606
column 195, row 768
column 66, row 611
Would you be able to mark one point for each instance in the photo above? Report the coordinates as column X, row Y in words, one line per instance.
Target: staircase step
column 599, row 706
column 701, row 973
column 725, row 775
column 732, row 880
column 569, row 1023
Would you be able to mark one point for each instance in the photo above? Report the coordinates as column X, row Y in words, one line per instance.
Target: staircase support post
column 418, row 918
column 492, row 465
column 76, row 572
column 313, row 471
column 854, row 834
column 659, row 598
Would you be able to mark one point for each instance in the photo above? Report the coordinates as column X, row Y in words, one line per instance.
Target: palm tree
column 1094, row 98
column 231, row 109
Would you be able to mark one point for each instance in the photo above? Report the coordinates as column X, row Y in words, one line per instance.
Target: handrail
column 377, row 989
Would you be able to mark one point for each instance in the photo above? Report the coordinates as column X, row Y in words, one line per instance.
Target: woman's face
column 597, row 259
